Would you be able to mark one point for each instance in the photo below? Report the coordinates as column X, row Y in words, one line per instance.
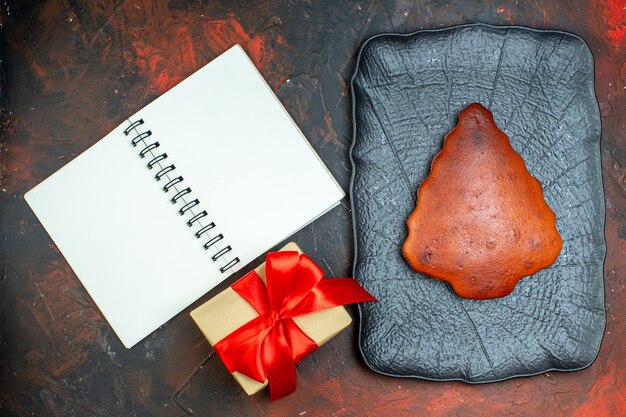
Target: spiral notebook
column 188, row 190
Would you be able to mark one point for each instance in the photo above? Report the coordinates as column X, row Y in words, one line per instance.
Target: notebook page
column 247, row 162
column 131, row 250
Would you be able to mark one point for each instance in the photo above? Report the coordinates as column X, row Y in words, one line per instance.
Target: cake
column 481, row 222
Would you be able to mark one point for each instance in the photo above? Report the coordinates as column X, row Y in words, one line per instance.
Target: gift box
column 229, row 320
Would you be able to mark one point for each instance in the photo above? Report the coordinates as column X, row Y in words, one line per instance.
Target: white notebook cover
column 247, row 164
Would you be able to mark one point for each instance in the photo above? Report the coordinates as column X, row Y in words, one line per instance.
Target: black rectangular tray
column 407, row 91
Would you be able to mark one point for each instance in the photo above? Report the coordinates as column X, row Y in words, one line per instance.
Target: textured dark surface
column 408, row 91
column 75, row 68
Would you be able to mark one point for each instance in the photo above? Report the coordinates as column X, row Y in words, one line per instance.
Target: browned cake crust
column 481, row 222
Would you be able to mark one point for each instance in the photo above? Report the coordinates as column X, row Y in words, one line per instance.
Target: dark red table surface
column 74, row 69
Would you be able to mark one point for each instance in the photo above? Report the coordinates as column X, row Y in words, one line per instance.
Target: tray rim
column 351, row 195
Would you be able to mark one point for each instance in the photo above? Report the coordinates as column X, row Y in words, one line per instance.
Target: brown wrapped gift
column 228, row 311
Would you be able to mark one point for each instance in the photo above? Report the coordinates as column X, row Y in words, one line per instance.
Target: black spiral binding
column 175, row 183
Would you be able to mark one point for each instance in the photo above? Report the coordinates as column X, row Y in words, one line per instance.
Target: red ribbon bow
column 269, row 346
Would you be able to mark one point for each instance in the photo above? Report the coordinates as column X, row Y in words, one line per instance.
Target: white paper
column 246, row 162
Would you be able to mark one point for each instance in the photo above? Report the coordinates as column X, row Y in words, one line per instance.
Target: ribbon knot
column 269, row 346
column 272, row 318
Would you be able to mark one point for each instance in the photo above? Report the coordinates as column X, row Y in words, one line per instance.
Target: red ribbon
column 269, row 346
